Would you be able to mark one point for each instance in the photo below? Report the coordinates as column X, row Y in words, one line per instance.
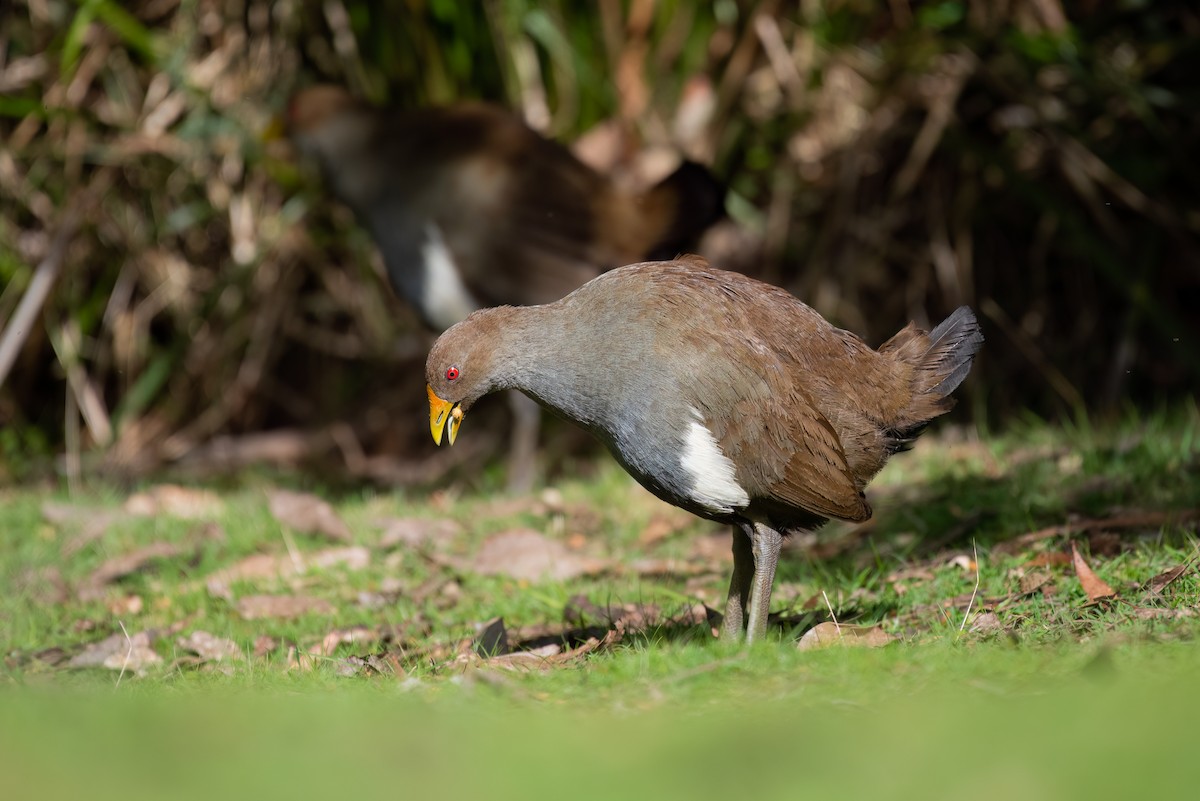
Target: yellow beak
column 443, row 415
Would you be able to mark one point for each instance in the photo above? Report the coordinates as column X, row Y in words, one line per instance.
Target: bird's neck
column 549, row 358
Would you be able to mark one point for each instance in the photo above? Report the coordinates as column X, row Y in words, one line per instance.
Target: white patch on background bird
column 445, row 298
column 714, row 481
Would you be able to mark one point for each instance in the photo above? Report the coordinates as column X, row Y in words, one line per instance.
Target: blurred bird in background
column 472, row 208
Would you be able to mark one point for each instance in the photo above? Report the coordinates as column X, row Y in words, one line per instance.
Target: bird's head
column 311, row 108
column 460, row 370
column 324, row 121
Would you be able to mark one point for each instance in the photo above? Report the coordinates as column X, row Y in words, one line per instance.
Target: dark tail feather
column 942, row 359
column 952, row 348
column 698, row 200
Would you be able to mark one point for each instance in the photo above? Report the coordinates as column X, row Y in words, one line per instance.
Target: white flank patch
column 714, row 479
column 444, row 295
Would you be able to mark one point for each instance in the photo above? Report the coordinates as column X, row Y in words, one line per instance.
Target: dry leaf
column 210, row 647
column 254, row 607
column 307, row 514
column 390, row 589
column 1160, row 582
column 1050, row 559
column 277, row 566
column 552, row 501
column 594, row 645
column 355, row 634
column 174, row 501
column 51, row 657
column 125, row 564
column 1034, row 580
column 824, row 635
column 353, row 557
column 127, row 606
column 580, row 611
column 117, row 652
column 986, row 623
column 814, row 601
column 299, row 660
column 913, row 573
column 1093, row 585
column 258, row 566
column 526, row 554
column 965, row 562
column 542, row 658
column 414, row 532
column 263, row 645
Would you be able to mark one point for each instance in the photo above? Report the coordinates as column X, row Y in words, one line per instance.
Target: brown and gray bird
column 720, row 394
column 472, row 208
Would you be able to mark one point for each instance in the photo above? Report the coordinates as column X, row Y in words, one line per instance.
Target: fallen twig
column 1132, row 520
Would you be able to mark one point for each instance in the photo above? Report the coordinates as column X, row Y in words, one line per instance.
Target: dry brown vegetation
column 176, row 292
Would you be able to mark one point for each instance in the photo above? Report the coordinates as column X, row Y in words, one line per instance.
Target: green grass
column 990, row 722
column 1057, row 697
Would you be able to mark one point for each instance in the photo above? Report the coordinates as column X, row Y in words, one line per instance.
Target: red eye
column 452, row 374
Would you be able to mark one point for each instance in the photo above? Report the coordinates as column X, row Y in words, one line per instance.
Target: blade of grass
column 120, row 21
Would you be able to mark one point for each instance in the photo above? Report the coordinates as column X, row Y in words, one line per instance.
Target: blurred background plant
column 176, row 291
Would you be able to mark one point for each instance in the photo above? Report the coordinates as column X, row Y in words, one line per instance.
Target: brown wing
column 787, row 453
column 817, row 476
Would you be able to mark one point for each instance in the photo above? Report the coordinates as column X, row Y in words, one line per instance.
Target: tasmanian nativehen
column 471, row 208
column 720, row 394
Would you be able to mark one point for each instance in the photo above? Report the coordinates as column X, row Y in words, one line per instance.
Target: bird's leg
column 739, row 585
column 766, row 542
column 527, row 416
